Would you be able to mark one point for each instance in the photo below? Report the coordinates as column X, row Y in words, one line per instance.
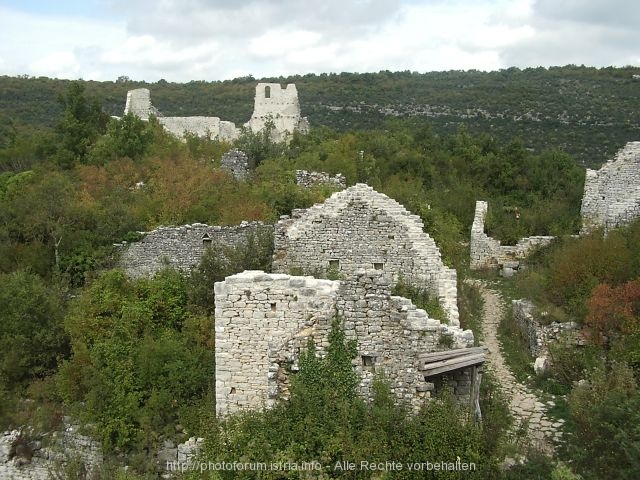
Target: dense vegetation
column 587, row 112
column 134, row 358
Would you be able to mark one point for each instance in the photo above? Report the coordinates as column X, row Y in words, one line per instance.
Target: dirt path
column 523, row 403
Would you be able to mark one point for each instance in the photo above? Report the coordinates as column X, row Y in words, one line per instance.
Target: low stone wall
column 28, row 456
column 487, row 252
column 539, row 336
column 311, row 179
column 263, row 321
column 183, row 247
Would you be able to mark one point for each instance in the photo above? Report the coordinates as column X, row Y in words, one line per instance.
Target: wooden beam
column 435, row 356
column 443, row 366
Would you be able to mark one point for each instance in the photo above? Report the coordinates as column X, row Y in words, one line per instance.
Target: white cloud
column 57, row 64
column 219, row 39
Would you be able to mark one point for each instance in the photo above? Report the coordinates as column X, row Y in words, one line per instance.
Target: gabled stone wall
column 183, row 247
column 487, row 252
column 612, row 194
column 359, row 228
column 263, row 321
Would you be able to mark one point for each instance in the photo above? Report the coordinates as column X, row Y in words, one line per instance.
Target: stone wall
column 612, row 194
column 487, row 252
column 237, row 162
column 359, row 228
column 271, row 102
column 27, row 456
column 263, row 321
column 201, row 126
column 280, row 105
column 139, row 103
column 183, row 247
column 539, row 336
column 311, row 179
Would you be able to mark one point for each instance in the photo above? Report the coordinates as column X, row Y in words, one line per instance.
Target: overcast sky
column 183, row 40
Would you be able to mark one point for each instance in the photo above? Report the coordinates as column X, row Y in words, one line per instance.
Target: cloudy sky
column 183, row 40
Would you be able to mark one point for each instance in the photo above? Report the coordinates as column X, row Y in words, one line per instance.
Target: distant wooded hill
column 588, row 112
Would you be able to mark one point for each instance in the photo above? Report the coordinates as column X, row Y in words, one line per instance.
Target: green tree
column 31, row 332
column 127, row 137
column 83, row 121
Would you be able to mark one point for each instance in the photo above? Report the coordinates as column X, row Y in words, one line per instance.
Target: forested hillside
column 587, row 112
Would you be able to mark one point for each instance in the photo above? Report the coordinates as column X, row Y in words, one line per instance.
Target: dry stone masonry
column 183, row 247
column 263, row 321
column 612, row 194
column 28, row 456
column 359, row 228
column 486, row 252
column 539, row 336
column 237, row 162
column 311, row 179
column 272, row 103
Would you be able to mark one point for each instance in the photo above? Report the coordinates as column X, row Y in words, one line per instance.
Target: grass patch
column 516, row 350
column 470, row 305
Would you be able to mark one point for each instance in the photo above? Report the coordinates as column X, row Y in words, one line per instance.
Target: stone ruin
column 487, row 252
column 279, row 105
column 263, row 321
column 612, row 194
column 538, row 336
column 183, row 247
column 237, row 162
column 308, row 179
column 359, row 228
column 139, row 103
column 25, row 455
column 271, row 103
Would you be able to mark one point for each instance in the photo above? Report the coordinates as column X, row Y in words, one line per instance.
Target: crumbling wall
column 612, row 194
column 487, row 252
column 139, row 103
column 183, row 247
column 308, row 179
column 272, row 103
column 359, row 228
column 25, row 455
column 237, row 162
column 539, row 336
column 200, row 126
column 280, row 106
column 263, row 321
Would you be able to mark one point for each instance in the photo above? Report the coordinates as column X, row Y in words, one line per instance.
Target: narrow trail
column 523, row 403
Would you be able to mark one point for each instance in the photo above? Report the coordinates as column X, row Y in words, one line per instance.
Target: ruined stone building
column 487, row 252
column 263, row 321
column 359, row 228
column 139, row 103
column 183, row 247
column 612, row 194
column 271, row 102
column 279, row 105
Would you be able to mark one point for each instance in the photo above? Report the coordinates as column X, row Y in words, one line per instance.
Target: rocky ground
column 529, row 412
